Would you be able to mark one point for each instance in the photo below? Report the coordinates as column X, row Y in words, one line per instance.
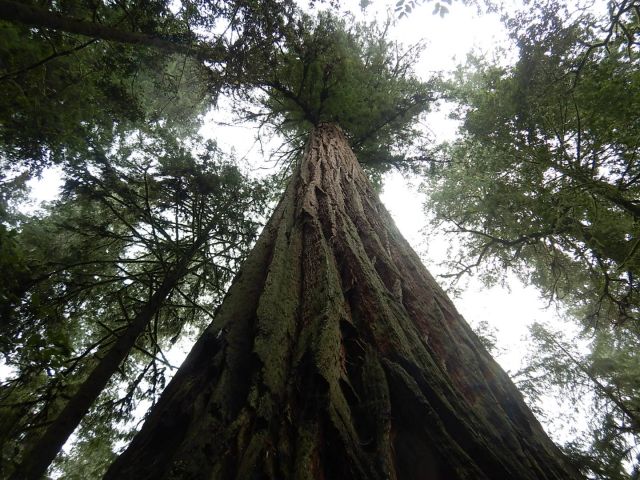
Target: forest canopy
column 133, row 258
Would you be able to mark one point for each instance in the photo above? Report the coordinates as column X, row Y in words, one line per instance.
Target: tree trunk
column 335, row 355
column 37, row 459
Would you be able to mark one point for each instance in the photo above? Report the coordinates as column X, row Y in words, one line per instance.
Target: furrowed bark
column 37, row 459
column 335, row 355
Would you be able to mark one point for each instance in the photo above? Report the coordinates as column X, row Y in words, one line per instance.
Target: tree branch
column 39, row 17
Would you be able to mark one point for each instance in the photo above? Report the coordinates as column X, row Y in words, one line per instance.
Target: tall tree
column 335, row 354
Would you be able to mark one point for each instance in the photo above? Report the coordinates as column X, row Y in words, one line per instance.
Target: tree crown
column 328, row 71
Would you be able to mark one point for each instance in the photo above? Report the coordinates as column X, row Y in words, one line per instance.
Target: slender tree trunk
column 40, row 17
column 335, row 355
column 37, row 459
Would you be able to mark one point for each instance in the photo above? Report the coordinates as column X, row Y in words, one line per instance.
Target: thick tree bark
column 335, row 355
column 38, row 457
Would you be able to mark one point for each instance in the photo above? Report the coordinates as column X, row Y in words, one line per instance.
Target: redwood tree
column 336, row 355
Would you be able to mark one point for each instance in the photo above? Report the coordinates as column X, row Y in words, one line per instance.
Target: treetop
column 330, row 70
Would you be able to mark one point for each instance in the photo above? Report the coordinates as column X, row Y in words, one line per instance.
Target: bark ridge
column 335, row 355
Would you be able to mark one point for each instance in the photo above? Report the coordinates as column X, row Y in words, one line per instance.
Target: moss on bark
column 336, row 355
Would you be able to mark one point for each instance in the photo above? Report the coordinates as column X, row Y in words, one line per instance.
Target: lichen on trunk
column 335, row 355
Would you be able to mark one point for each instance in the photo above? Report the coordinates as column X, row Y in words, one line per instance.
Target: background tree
column 560, row 153
column 77, row 71
column 605, row 370
column 545, row 182
column 80, row 78
column 152, row 218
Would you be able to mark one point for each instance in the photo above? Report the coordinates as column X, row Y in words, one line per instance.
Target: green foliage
column 330, row 71
column 95, row 258
column 92, row 453
column 544, row 181
column 405, row 7
column 60, row 90
column 487, row 334
column 602, row 382
column 545, row 178
column 14, row 270
column 60, row 93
